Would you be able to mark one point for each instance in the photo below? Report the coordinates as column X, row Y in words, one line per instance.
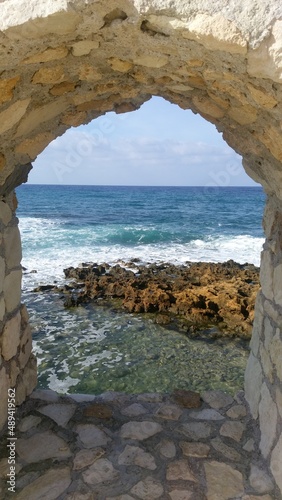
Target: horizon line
column 140, row 185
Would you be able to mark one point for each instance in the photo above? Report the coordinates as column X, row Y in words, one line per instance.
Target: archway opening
column 157, row 219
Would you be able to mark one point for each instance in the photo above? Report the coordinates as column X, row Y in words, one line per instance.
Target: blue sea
column 93, row 349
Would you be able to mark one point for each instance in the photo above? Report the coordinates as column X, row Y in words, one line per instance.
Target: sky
column 157, row 145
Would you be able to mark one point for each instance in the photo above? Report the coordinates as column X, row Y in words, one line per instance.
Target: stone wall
column 17, row 363
column 263, row 386
column 65, row 63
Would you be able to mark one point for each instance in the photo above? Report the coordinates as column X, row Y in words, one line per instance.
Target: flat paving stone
column 5, row 468
column 187, row 399
column 180, row 470
column 225, row 450
column 217, row 399
column 146, row 447
column 42, row 446
column 180, row 494
column 150, row 397
column 140, row 430
column 260, row 480
column 200, row 450
column 91, row 436
column 134, row 410
column 100, row 472
column 223, row 481
column 45, row 395
column 133, row 455
column 195, row 430
column 148, row 489
column 206, row 414
column 84, row 458
column 167, row 448
column 49, row 486
column 60, row 413
column 28, row 423
column 233, row 430
column 237, row 411
column 169, row 412
column 250, row 445
column 121, row 497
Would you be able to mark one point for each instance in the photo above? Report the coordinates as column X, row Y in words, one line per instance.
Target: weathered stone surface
column 169, row 412
column 6, row 213
column 253, row 383
column 195, row 430
column 180, row 494
column 4, row 385
column 276, row 463
column 140, row 430
column 32, row 147
column 132, row 455
column 13, row 251
column 275, row 350
column 217, row 399
column 268, row 420
column 237, row 411
column 223, row 481
column 45, row 395
column 84, row 458
column 200, row 450
column 225, row 450
column 250, row 445
column 60, row 413
column 47, row 55
column 206, row 414
column 134, row 410
column 97, row 410
column 233, row 430
column 12, row 115
column 91, row 436
column 6, row 89
column 28, row 423
column 260, row 480
column 148, row 489
column 42, row 446
column 49, row 486
column 167, row 448
column 187, row 399
column 180, row 470
column 49, row 75
column 84, row 47
column 101, row 471
column 12, row 290
column 11, row 337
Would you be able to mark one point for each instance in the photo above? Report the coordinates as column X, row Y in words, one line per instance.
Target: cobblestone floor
column 126, row 447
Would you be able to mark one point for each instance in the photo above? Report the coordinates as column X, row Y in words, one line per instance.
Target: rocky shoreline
column 204, row 300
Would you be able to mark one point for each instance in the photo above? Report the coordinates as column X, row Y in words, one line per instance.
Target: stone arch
column 64, row 64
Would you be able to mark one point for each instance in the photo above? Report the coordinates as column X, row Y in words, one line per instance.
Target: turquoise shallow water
column 93, row 349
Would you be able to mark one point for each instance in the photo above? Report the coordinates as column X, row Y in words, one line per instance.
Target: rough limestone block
column 6, row 212
column 253, row 383
column 12, row 115
column 276, row 463
column 12, row 290
column 277, row 285
column 266, row 275
column 2, row 308
column 4, row 386
column 13, row 249
column 268, row 421
column 275, row 350
column 2, row 273
column 11, row 337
